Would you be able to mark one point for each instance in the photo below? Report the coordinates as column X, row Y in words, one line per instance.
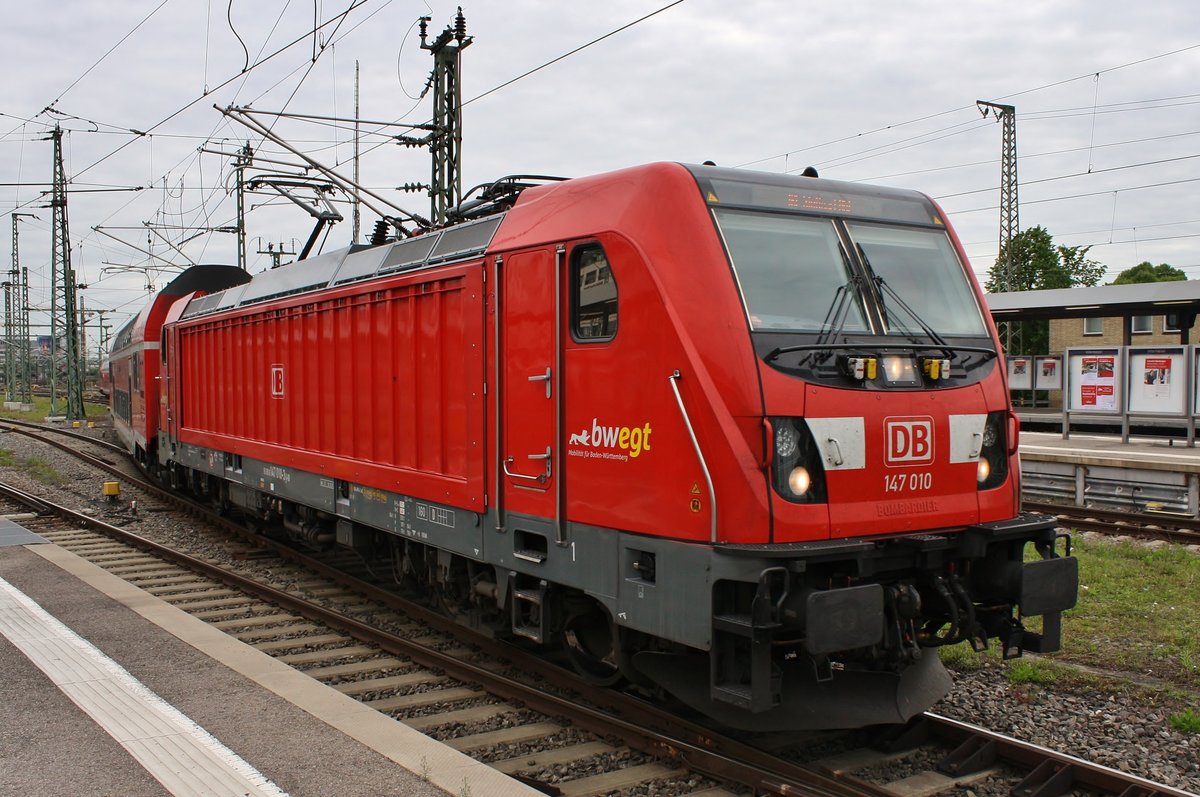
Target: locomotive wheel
column 591, row 642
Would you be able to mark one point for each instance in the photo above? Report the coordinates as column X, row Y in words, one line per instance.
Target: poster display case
column 1020, row 372
column 1093, row 381
column 1047, row 373
column 1158, row 380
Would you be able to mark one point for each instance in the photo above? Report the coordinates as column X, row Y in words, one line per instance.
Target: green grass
column 41, row 409
column 1186, row 721
column 42, row 471
column 38, row 468
column 961, row 657
column 1138, row 616
column 1138, row 610
column 1033, row 671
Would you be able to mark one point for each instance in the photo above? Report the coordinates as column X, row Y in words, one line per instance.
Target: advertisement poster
column 1098, row 384
column 1157, row 380
column 1047, row 373
column 1020, row 373
column 1093, row 375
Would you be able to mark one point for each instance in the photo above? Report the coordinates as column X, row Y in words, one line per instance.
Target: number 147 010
column 907, row 482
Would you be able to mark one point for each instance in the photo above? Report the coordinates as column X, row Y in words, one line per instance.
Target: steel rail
column 1172, row 527
column 13, row 424
column 1075, row 773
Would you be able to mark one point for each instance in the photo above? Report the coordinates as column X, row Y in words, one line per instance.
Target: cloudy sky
column 1107, row 96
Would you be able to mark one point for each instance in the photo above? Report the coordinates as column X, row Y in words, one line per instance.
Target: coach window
column 593, row 295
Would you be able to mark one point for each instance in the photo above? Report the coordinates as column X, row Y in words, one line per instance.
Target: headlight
column 785, row 441
column 989, row 435
column 797, row 473
column 992, row 469
column 799, row 481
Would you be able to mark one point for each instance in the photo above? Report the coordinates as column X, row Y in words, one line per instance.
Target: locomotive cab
column 891, row 455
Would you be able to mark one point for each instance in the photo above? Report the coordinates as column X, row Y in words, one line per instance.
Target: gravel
column 1119, row 729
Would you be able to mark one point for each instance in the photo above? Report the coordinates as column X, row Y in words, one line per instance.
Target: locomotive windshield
column 795, row 275
column 793, row 271
column 920, row 266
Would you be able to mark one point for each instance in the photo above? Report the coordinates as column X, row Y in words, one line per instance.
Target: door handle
column 835, row 455
column 541, row 478
column 546, row 377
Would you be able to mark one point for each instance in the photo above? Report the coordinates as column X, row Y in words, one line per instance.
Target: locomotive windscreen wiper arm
column 835, row 317
column 885, row 288
column 913, row 346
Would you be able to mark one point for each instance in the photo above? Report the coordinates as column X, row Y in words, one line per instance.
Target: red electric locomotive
column 741, row 437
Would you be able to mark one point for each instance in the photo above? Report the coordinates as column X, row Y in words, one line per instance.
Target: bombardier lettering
column 906, row 508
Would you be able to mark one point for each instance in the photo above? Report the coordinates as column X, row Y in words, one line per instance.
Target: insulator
column 380, row 234
column 460, row 26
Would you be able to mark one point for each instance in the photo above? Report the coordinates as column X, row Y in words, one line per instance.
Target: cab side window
column 593, row 295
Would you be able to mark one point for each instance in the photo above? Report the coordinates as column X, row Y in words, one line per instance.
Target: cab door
column 530, row 384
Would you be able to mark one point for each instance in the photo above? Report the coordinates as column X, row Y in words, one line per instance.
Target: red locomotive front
column 737, row 436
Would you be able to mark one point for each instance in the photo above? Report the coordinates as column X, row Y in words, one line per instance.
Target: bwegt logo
column 909, row 440
column 633, row 440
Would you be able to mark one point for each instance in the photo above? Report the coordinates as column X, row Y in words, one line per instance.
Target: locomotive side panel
column 678, row 310
column 630, row 464
column 379, row 385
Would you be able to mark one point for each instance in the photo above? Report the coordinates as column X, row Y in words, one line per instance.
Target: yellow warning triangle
column 712, row 197
column 696, row 488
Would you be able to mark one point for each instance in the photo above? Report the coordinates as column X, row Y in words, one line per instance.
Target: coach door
column 530, row 468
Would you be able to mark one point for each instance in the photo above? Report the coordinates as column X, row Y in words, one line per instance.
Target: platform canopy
column 1147, row 298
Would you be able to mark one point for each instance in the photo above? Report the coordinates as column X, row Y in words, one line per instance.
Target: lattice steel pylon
column 10, row 325
column 18, row 370
column 25, row 371
column 63, row 315
column 445, row 144
column 1010, row 223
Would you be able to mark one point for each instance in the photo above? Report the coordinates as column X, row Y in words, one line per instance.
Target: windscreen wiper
column 882, row 285
column 944, row 347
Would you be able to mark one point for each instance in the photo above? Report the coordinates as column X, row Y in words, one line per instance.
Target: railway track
column 554, row 733
column 1150, row 525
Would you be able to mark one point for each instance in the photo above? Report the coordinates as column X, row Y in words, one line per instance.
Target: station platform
column 108, row 690
column 1045, row 419
column 1151, row 473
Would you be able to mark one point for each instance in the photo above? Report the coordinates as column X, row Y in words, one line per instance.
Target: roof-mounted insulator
column 379, row 235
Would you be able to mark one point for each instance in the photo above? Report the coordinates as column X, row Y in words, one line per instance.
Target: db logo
column 909, row 440
column 277, row 381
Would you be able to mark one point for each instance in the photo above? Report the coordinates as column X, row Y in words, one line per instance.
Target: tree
column 1037, row 264
column 1144, row 272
